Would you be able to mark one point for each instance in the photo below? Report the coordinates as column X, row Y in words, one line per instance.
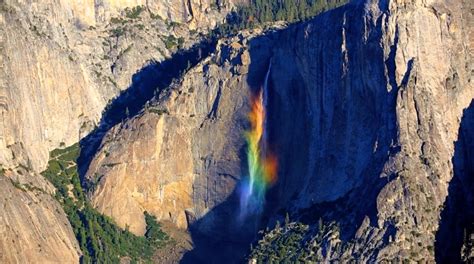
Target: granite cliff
column 365, row 104
column 79, row 57
column 61, row 62
column 368, row 111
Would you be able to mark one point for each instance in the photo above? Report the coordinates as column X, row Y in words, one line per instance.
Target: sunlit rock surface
column 33, row 227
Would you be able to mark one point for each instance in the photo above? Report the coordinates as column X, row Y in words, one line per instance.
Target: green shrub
column 153, row 230
column 117, row 32
column 134, row 12
column 18, row 185
column 158, row 111
column 116, row 20
column 155, row 16
column 170, row 42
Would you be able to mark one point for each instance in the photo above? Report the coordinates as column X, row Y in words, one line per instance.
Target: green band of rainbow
column 262, row 164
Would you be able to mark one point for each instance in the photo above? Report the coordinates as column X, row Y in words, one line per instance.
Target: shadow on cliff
column 289, row 116
column 354, row 123
column 457, row 217
column 146, row 83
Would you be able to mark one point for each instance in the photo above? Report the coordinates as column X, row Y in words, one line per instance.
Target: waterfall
column 262, row 164
column 265, row 84
column 265, row 107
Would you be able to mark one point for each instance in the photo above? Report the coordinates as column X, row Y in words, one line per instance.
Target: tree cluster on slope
column 298, row 243
column 100, row 239
column 260, row 12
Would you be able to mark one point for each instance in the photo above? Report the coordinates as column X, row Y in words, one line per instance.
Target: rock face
column 365, row 102
column 163, row 161
column 78, row 58
column 26, row 221
column 384, row 115
column 60, row 63
column 198, row 14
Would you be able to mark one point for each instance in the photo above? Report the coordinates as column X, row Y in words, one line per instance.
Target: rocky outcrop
column 362, row 114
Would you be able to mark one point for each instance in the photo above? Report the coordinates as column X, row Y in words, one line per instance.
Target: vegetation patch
column 172, row 24
column 18, row 185
column 100, row 239
column 261, row 12
column 117, row 20
column 117, row 32
column 158, row 111
column 134, row 12
column 172, row 42
column 155, row 16
column 296, row 243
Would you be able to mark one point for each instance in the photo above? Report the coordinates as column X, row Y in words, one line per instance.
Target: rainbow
column 262, row 164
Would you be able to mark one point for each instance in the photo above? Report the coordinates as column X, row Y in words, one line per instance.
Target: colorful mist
column 262, row 164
